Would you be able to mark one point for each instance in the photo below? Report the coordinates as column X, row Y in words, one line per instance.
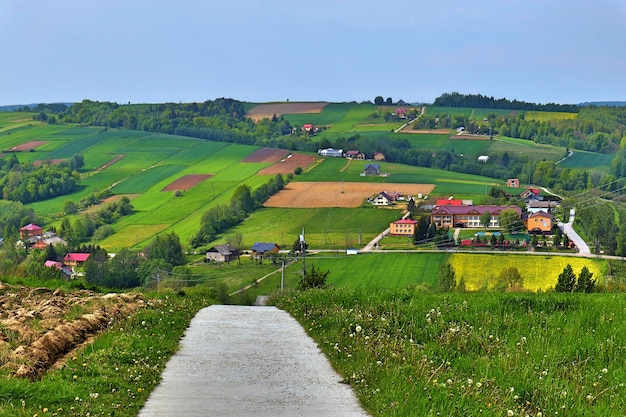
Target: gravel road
column 249, row 361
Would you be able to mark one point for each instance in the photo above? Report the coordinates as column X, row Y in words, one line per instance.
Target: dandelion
column 509, row 413
column 358, row 329
column 470, row 381
column 45, row 409
column 479, row 384
column 94, row 395
column 604, row 370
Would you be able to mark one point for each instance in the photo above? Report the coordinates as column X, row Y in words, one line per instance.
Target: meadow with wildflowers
column 516, row 354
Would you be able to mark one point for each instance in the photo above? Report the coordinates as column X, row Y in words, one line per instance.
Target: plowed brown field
column 186, row 182
column 336, row 194
column 269, row 110
column 25, row 147
column 267, row 155
column 38, row 326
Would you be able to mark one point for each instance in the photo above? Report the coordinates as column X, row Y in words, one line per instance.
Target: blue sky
column 139, row 51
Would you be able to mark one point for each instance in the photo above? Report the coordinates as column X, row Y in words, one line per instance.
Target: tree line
column 244, row 201
column 484, row 102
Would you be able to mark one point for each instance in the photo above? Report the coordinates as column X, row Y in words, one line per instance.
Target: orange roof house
column 403, row 227
column 539, row 222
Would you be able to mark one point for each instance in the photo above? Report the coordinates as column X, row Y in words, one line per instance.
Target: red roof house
column 447, row 202
column 30, row 230
column 73, row 259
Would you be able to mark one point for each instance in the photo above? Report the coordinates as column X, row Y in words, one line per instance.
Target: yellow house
column 539, row 222
column 402, row 227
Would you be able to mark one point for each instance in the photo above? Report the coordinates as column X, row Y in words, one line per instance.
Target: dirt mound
column 38, row 327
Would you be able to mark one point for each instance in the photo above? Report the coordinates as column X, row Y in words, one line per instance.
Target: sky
column 154, row 51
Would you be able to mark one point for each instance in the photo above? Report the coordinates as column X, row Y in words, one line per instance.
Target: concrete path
column 249, row 361
column 568, row 230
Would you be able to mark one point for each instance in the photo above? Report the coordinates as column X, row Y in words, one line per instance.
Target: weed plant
column 408, row 354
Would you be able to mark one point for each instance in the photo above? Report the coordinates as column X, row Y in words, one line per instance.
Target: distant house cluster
column 227, row 253
column 537, row 217
column 351, row 154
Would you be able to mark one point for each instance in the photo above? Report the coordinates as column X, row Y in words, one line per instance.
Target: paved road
column 568, row 229
column 249, row 361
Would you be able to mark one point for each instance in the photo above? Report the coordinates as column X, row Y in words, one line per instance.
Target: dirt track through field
column 337, row 194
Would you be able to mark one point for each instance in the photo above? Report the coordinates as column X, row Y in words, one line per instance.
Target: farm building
column 308, row 127
column 403, row 227
column 539, row 222
column 530, row 193
column 379, row 156
column 512, row 183
column 535, row 206
column 30, row 230
column 448, row 202
column 331, row 153
column 382, row 199
column 262, row 249
column 467, row 216
column 371, row 169
column 221, row 253
column 401, row 113
column 75, row 259
column 354, row 154
column 483, row 158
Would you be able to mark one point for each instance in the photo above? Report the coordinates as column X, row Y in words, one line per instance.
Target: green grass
column 544, row 116
column 326, row 228
column 416, row 354
column 331, row 113
column 115, row 373
column 588, row 160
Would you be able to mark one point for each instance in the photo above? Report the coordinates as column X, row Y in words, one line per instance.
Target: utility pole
column 303, row 252
column 282, row 276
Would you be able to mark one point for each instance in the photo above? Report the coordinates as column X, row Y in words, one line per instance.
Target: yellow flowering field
column 540, row 272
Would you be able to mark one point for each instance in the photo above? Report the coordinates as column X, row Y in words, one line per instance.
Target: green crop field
column 331, row 113
column 588, row 160
column 365, row 270
column 326, row 228
column 536, row 152
column 544, row 116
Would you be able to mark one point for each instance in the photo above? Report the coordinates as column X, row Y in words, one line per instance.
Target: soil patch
column 267, row 155
column 25, row 147
column 186, row 182
column 336, row 194
column 39, row 326
column 288, row 164
column 268, row 110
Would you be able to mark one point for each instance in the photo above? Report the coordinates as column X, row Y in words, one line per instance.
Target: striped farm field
column 540, row 272
column 337, row 194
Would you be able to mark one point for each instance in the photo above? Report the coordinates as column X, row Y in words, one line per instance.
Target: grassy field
column 589, row 160
column 413, row 354
column 326, row 228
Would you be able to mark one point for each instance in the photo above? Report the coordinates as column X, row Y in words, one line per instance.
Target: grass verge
column 409, row 354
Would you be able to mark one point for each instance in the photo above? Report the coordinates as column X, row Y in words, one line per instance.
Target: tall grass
column 408, row 354
column 115, row 373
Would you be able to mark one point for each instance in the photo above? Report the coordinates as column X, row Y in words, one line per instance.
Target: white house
column 330, row 152
column 483, row 158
